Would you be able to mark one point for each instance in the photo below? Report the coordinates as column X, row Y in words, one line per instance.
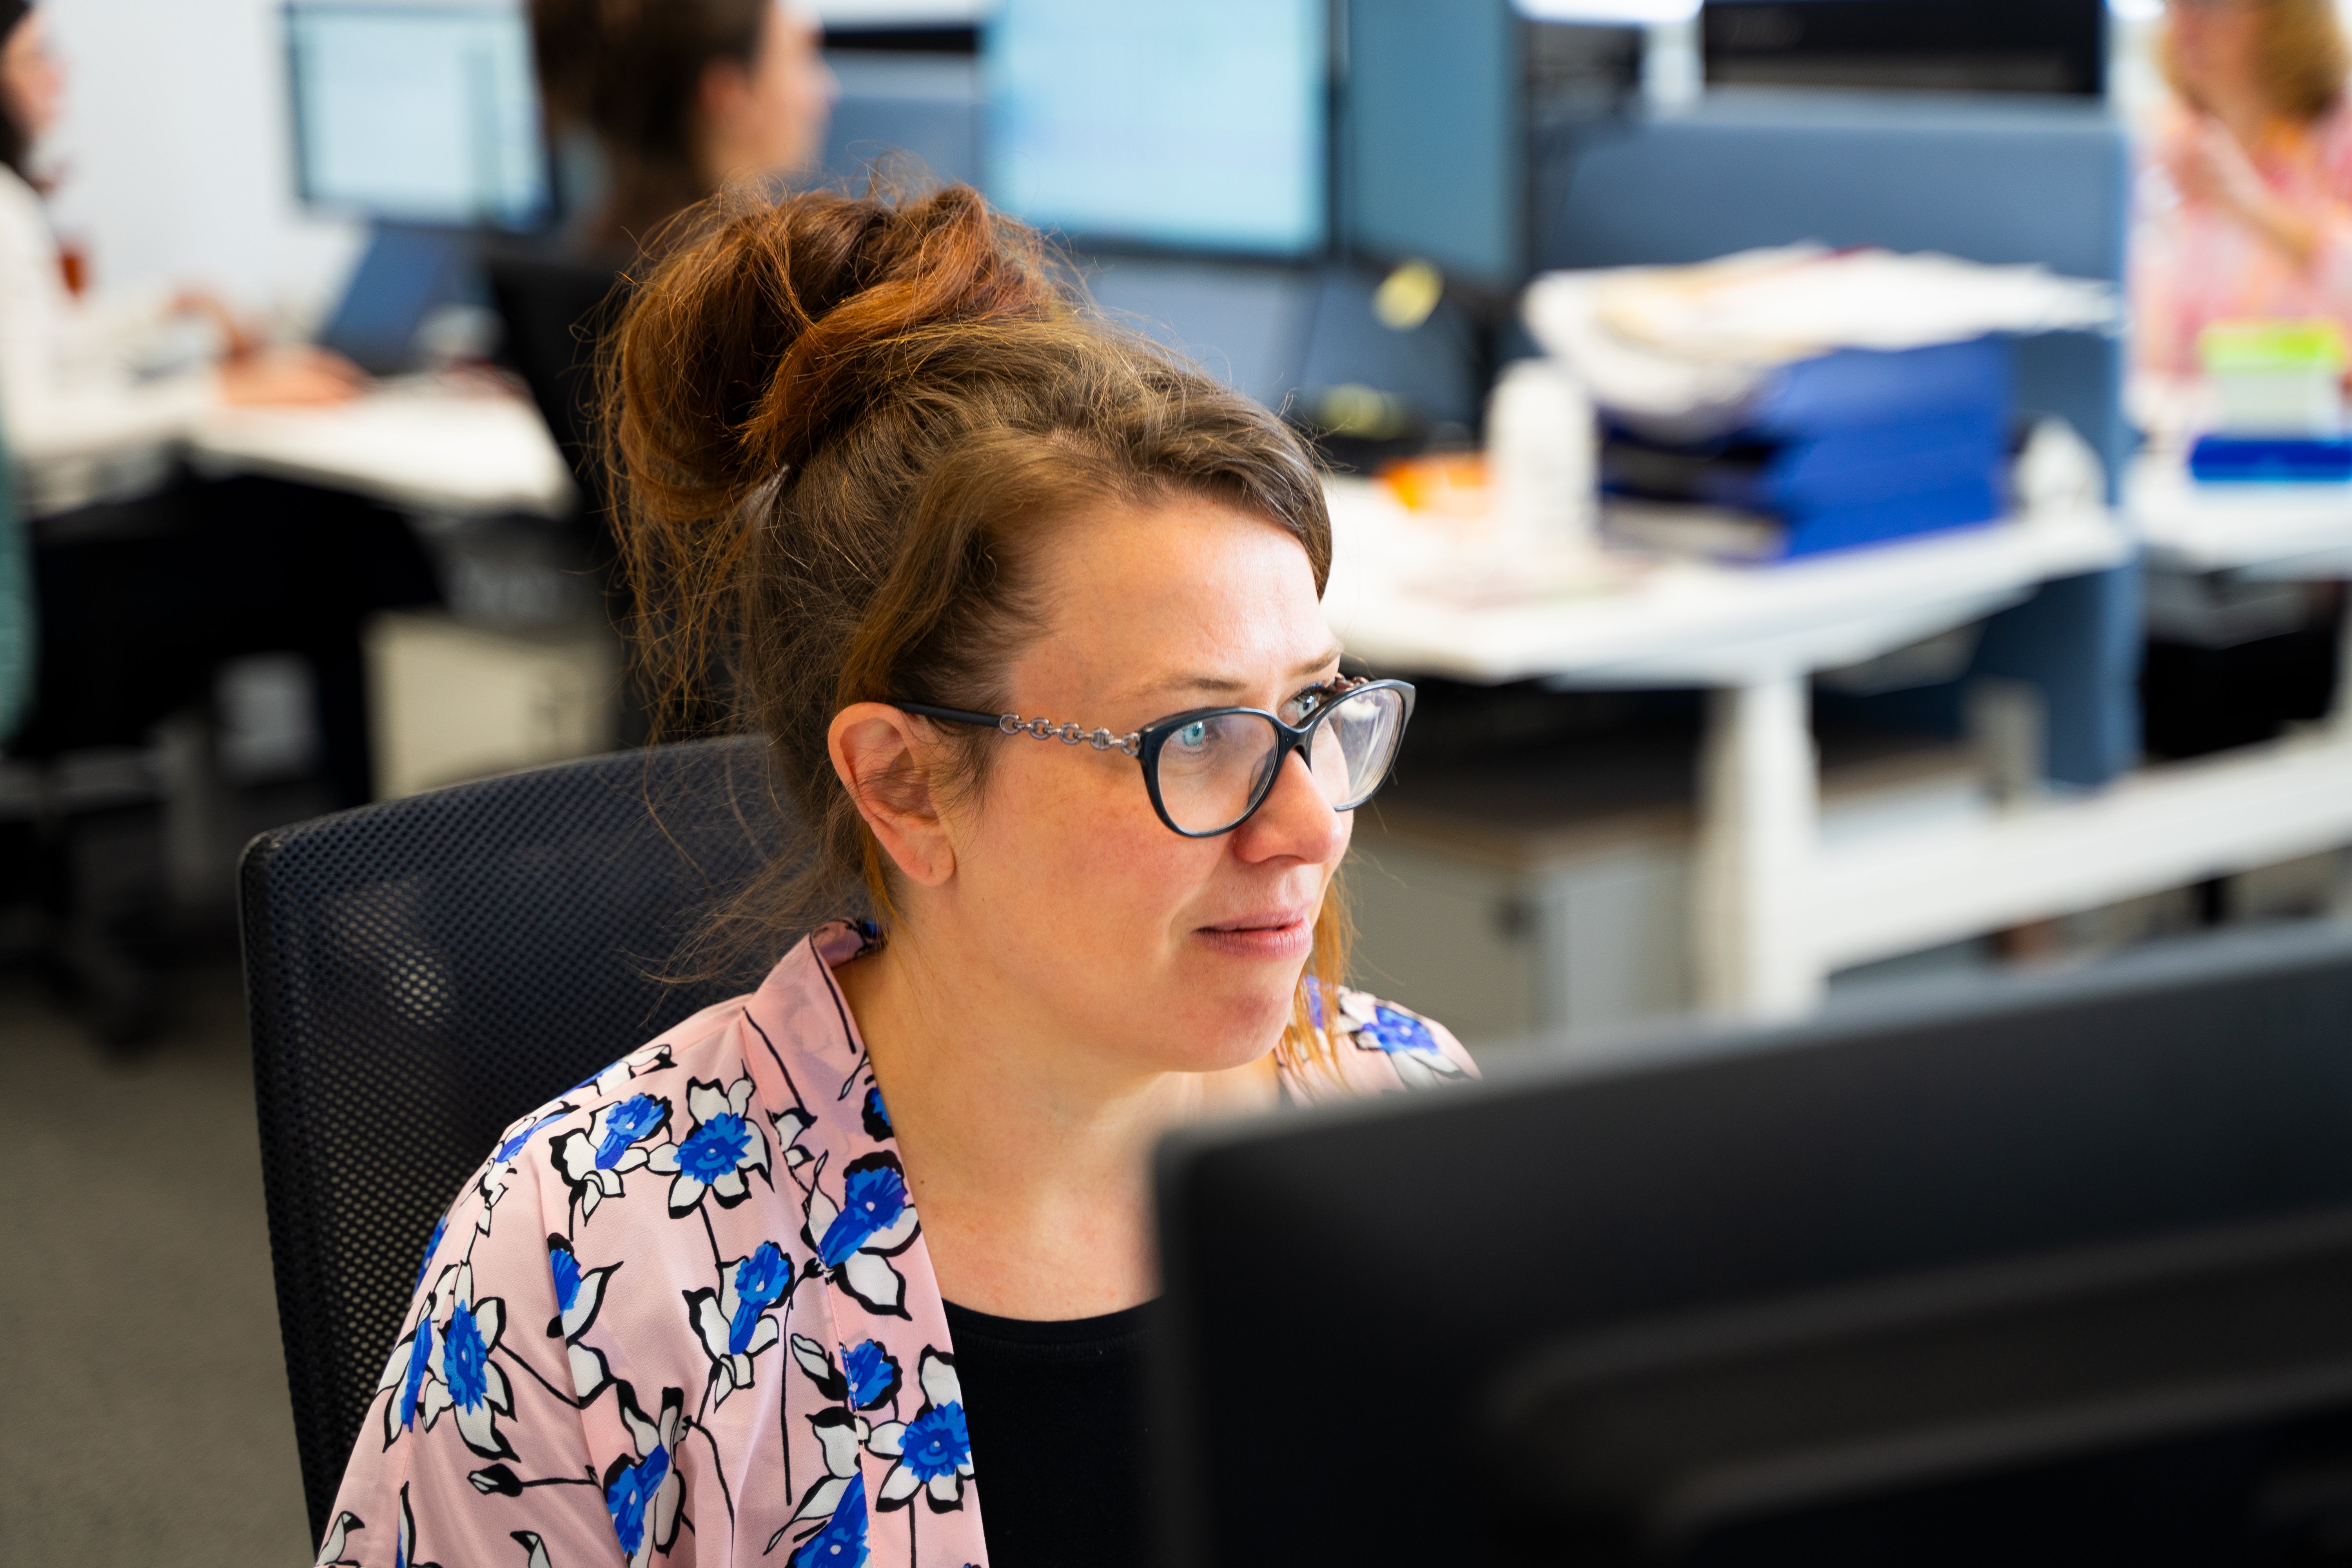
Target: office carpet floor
column 144, row 1420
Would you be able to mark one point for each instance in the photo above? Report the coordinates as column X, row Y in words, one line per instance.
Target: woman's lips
column 1287, row 933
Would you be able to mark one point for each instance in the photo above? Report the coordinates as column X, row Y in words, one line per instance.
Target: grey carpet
column 147, row 1420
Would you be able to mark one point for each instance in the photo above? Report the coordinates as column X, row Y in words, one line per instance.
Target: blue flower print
column 873, row 1374
column 642, row 1490
column 855, row 1239
column 520, row 1133
column 497, row 1170
column 403, row 1548
column 875, row 1117
column 594, row 1159
column 840, row 1489
column 443, row 1365
column 732, row 1320
column 933, row 1451
column 403, row 1376
column 432, row 1245
column 868, row 1374
column 579, row 1294
column 841, row 1543
column 331, row 1551
column 460, row 1376
column 1412, row 1049
column 414, row 1362
column 714, row 1157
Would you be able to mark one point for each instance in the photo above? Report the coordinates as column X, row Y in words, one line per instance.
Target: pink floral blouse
column 2193, row 264
column 684, row 1314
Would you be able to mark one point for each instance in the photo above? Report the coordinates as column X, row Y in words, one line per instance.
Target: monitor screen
column 1197, row 127
column 412, row 113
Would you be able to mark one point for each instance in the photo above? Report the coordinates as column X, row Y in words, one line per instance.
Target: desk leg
column 1759, row 832
column 2339, row 716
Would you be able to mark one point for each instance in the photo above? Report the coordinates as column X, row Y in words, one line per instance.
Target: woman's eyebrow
column 1227, row 685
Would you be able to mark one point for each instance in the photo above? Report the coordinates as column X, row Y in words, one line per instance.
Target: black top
column 1056, row 1416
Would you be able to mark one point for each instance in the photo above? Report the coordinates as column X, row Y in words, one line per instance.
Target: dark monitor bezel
column 1279, row 1231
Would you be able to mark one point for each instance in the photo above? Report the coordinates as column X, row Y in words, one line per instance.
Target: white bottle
column 1540, row 455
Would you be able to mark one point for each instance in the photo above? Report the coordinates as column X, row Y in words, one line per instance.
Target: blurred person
column 81, row 420
column 145, row 578
column 2245, row 203
column 682, row 97
column 858, row 1266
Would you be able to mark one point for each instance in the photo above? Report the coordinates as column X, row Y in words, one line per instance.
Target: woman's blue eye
column 1193, row 734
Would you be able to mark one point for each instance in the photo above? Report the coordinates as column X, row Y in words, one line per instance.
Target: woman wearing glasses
column 858, row 1266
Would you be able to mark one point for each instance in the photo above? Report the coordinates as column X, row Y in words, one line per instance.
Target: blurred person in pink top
column 2245, row 202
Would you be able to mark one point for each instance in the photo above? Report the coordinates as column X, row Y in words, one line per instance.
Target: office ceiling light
column 1609, row 13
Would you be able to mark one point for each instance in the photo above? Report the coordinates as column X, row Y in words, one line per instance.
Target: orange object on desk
column 1450, row 484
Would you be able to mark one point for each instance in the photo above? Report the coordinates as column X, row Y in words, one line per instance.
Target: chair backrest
column 552, row 309
column 420, row 973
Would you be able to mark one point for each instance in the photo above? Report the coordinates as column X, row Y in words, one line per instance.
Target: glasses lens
column 1213, row 769
column 1351, row 752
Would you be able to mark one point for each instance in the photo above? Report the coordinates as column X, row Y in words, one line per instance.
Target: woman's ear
column 879, row 754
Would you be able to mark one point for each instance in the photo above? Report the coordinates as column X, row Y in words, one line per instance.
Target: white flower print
column 406, row 1544
column 459, row 1376
column 933, row 1451
column 714, row 1157
column 733, row 1322
column 1412, row 1049
column 331, row 1551
column 854, row 1240
column 790, row 1123
column 593, row 1160
column 579, row 1293
column 642, row 1492
column 839, row 1434
column 867, row 1374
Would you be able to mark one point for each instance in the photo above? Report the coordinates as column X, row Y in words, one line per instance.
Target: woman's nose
column 1294, row 822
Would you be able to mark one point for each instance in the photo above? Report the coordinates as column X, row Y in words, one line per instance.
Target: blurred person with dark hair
column 2246, row 202
column 145, row 579
column 682, row 97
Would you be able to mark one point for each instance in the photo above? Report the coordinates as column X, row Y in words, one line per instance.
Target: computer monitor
column 1953, row 46
column 1435, row 138
column 2058, row 1271
column 1202, row 126
column 418, row 113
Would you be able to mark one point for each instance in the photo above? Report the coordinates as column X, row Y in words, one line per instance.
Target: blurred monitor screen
column 1196, row 127
column 418, row 113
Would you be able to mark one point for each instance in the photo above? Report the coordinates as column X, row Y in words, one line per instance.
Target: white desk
column 465, row 448
column 2162, row 827
column 2262, row 530
column 1753, row 636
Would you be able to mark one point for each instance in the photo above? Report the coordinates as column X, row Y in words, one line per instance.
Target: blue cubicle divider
column 1998, row 181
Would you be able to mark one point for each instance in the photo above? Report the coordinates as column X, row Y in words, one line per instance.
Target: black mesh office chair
column 420, row 973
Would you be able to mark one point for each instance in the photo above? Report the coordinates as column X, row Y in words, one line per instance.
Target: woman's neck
column 1027, row 1152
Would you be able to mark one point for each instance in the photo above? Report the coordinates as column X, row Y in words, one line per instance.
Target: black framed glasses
column 1208, row 769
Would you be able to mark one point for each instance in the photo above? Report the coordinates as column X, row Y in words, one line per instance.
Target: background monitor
column 1202, row 126
column 2053, row 1271
column 1955, row 46
column 418, row 113
column 1434, row 137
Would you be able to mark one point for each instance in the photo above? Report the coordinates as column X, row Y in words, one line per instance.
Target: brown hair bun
column 838, row 426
